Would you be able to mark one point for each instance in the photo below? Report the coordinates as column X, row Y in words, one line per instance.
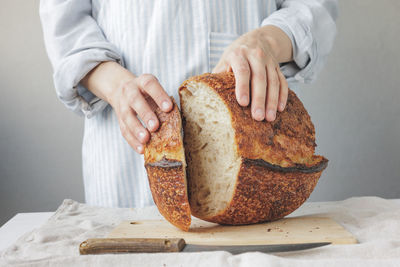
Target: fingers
column 283, row 92
column 241, row 69
column 139, row 104
column 133, row 125
column 150, row 85
column 258, row 71
column 220, row 67
column 258, row 86
column 272, row 92
column 134, row 104
column 130, row 138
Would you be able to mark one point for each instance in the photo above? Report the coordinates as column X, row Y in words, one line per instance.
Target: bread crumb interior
column 212, row 159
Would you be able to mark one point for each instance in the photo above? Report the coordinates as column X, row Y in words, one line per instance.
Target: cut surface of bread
column 166, row 168
column 211, row 148
column 242, row 171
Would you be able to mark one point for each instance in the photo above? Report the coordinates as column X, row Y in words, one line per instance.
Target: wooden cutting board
column 292, row 230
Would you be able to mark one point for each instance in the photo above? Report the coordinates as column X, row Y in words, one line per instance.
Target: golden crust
column 263, row 193
column 288, row 141
column 168, row 187
column 167, row 140
column 165, row 166
column 278, row 168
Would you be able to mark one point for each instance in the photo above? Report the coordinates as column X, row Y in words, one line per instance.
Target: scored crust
column 263, row 194
column 166, row 168
column 277, row 167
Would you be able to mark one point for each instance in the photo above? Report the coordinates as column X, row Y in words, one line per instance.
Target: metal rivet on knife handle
column 131, row 245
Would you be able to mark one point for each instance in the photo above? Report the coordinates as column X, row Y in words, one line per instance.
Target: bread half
column 242, row 171
column 166, row 168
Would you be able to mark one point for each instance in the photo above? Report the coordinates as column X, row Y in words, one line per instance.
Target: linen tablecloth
column 374, row 221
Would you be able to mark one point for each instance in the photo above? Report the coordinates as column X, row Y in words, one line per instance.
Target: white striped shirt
column 173, row 40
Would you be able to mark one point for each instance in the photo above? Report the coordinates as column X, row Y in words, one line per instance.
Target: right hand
column 129, row 101
column 127, row 94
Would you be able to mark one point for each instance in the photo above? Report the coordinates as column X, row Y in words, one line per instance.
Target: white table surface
column 22, row 223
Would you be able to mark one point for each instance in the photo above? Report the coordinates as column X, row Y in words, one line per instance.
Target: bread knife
column 153, row 245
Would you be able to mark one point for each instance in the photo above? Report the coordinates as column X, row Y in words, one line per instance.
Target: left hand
column 254, row 59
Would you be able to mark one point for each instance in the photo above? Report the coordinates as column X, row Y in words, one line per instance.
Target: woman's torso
column 173, row 40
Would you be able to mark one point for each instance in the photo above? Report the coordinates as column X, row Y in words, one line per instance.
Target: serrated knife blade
column 151, row 245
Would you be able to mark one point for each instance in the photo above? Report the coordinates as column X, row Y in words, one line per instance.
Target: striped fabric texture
column 171, row 39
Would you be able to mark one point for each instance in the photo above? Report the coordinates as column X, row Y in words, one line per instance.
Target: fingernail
column 165, row 105
column 142, row 135
column 139, row 148
column 244, row 99
column 259, row 114
column 271, row 115
column 281, row 106
column 151, row 124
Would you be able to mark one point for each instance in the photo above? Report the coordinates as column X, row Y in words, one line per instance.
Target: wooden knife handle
column 129, row 245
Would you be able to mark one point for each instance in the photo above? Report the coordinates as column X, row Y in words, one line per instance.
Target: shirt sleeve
column 75, row 45
column 310, row 25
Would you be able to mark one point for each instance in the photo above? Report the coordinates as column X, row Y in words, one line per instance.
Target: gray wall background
column 354, row 106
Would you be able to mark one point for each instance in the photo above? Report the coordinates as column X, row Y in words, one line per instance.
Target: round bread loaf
column 242, row 171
